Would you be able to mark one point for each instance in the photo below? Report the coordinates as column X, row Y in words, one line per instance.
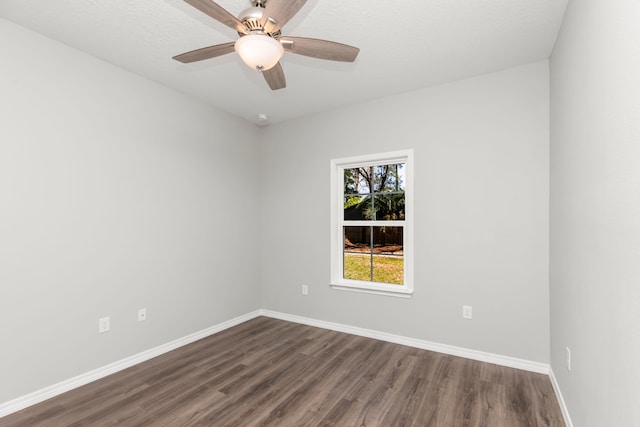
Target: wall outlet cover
column 104, row 325
column 467, row 312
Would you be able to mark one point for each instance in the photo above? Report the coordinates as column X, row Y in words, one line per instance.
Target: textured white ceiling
column 404, row 45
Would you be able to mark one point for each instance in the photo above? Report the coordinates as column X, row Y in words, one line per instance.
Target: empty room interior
column 433, row 220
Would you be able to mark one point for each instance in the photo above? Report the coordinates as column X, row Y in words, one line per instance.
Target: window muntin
column 371, row 223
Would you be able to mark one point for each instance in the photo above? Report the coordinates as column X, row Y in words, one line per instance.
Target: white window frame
column 337, row 223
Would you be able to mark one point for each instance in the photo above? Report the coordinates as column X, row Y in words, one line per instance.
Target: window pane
column 357, row 266
column 388, row 269
column 389, row 206
column 357, row 208
column 388, row 177
column 388, row 248
column 388, row 240
column 357, row 181
column 357, row 239
column 357, row 253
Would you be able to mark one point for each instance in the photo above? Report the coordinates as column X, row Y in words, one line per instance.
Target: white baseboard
column 496, row 359
column 30, row 399
column 561, row 402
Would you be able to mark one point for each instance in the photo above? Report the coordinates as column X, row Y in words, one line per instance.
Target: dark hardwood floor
column 268, row 372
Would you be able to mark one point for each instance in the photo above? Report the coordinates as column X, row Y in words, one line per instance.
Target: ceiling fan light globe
column 259, row 51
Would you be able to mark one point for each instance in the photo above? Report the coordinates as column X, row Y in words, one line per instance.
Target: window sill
column 381, row 290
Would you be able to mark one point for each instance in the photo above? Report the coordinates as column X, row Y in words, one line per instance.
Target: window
column 371, row 224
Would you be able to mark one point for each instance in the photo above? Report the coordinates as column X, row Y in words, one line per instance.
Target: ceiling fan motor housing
column 252, row 18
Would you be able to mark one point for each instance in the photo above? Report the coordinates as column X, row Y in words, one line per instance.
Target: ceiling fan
column 261, row 44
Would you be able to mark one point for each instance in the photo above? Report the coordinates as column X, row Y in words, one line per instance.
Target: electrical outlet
column 142, row 315
column 568, row 357
column 467, row 312
column 305, row 290
column 104, row 325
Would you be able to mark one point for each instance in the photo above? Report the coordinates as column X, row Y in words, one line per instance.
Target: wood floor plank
column 268, row 372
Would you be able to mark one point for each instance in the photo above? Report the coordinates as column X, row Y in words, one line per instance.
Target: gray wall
column 481, row 229
column 595, row 211
column 115, row 194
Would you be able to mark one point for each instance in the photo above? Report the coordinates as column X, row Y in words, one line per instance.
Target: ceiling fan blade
column 321, row 49
column 279, row 12
column 275, row 77
column 218, row 13
column 205, row 53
